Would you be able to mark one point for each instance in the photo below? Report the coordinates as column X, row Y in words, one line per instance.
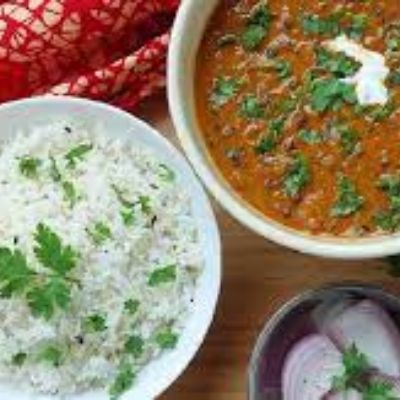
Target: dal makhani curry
column 299, row 103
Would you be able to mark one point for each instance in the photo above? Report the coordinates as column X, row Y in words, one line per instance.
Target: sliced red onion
column 369, row 327
column 349, row 395
column 310, row 368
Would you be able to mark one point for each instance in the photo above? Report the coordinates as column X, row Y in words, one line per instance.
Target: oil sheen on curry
column 299, row 105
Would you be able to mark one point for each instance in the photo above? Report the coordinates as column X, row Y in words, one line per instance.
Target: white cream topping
column 370, row 78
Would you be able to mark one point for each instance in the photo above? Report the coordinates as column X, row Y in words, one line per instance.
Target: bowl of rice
column 110, row 260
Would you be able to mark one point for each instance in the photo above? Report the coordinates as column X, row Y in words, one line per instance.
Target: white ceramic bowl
column 160, row 374
column 188, row 30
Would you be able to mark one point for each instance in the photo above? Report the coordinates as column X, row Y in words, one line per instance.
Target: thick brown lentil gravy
column 285, row 131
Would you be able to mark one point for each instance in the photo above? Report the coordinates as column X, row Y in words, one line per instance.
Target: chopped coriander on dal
column 316, row 79
column 83, row 278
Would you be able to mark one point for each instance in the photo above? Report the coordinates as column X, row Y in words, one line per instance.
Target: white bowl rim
column 373, row 247
column 206, row 316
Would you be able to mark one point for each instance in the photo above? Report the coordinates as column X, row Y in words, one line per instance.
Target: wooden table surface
column 258, row 278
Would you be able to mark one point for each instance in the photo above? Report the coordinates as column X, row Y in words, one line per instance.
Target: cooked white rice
column 110, row 273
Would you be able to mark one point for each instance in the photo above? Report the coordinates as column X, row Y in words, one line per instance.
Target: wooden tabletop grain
column 258, row 278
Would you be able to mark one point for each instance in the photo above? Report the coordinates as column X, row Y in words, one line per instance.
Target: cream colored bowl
column 186, row 36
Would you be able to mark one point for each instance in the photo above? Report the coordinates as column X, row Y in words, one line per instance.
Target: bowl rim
column 290, row 305
column 207, row 315
column 324, row 246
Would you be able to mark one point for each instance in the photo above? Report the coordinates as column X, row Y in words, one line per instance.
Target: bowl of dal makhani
column 289, row 112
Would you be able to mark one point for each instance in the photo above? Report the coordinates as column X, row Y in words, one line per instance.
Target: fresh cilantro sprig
column 45, row 292
column 78, row 153
column 123, row 381
column 28, row 166
column 357, row 375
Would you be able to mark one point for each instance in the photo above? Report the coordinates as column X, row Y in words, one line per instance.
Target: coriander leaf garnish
column 309, row 136
column 99, row 233
column 128, row 217
column 283, row 68
column 357, row 375
column 348, row 199
column 389, row 220
column 379, row 391
column 268, row 142
column 28, row 166
column 331, row 94
column 77, row 154
column 52, row 253
column 19, row 359
column 349, row 139
column 54, row 170
column 123, row 381
column 251, row 107
column 134, row 346
column 162, row 275
column 297, row 177
column 51, row 354
column 95, row 323
column 338, row 64
column 166, row 173
column 258, row 24
column 355, row 366
column 313, row 24
column 224, row 90
column 45, row 299
column 145, row 204
column 15, row 276
column 132, row 306
column 69, row 192
column 121, row 197
column 166, row 338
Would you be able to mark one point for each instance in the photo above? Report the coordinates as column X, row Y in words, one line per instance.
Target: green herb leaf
column 268, row 142
column 312, row 24
column 134, row 346
column 132, row 306
column 15, row 276
column 224, row 90
column 52, row 253
column 123, row 381
column 99, row 233
column 46, row 298
column 51, row 354
column 162, row 275
column 77, row 153
column 28, row 166
column 19, row 359
column 309, row 136
column 128, row 217
column 390, row 220
column 258, row 24
column 54, row 170
column 95, row 323
column 166, row 338
column 70, row 193
column 166, row 173
column 145, row 204
column 338, row 64
column 121, row 197
column 355, row 366
column 349, row 139
column 348, row 199
column 283, row 68
column 379, row 390
column 251, row 107
column 331, row 94
column 298, row 176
